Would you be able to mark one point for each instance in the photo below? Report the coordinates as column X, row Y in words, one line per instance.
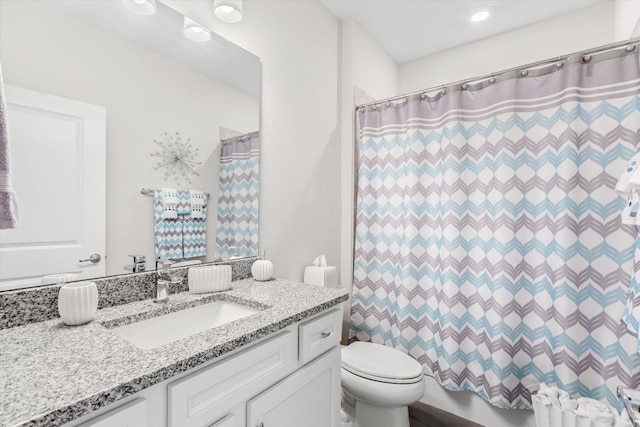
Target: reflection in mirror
column 90, row 87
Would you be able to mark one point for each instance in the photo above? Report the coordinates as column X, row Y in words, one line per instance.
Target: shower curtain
column 488, row 237
column 239, row 194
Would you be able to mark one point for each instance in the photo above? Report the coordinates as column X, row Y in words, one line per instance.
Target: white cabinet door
column 310, row 397
column 58, row 168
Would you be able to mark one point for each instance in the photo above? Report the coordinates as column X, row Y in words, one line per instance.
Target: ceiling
column 410, row 29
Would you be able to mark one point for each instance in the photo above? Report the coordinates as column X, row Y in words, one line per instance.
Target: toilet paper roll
column 321, row 276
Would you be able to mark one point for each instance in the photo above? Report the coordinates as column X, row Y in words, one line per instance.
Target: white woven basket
column 552, row 416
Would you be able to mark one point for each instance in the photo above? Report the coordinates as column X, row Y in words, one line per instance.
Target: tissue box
column 321, row 276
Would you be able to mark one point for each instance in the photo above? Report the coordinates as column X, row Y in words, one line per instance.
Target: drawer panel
column 205, row 396
column 319, row 335
column 228, row 421
column 132, row 414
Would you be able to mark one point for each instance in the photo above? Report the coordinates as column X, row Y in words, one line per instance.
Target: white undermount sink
column 158, row 331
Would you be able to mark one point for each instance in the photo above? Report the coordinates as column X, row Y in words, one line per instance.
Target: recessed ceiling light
column 195, row 31
column 143, row 7
column 482, row 14
column 229, row 11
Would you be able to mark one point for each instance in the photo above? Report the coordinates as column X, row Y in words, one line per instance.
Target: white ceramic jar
column 212, row 278
column 262, row 270
column 78, row 302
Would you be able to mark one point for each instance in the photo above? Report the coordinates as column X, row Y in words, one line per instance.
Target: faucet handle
column 163, row 265
column 138, row 258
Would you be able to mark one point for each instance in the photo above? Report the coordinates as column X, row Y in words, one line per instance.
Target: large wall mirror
column 104, row 102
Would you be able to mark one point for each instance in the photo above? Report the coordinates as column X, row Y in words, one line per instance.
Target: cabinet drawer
column 319, row 335
column 205, row 396
column 132, row 414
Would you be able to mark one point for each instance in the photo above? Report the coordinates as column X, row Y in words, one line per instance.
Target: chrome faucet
column 163, row 280
column 139, row 264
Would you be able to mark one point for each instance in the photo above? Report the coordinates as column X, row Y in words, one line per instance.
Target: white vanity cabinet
column 310, row 397
column 289, row 378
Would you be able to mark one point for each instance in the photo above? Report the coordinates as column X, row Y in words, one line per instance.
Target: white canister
column 262, row 270
column 78, row 302
column 212, row 278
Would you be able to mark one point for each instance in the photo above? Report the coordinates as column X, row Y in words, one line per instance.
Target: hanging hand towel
column 197, row 199
column 8, row 202
column 167, row 231
column 169, row 203
column 195, row 225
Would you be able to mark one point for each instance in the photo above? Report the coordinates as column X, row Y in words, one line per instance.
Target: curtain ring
column 492, row 80
column 465, row 86
column 586, row 57
column 524, row 73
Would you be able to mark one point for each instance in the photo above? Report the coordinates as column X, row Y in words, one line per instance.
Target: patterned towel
column 181, row 237
column 8, row 201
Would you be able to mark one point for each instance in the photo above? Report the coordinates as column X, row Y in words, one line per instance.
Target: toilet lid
column 380, row 363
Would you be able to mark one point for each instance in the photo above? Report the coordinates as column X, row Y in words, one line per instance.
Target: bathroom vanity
column 277, row 367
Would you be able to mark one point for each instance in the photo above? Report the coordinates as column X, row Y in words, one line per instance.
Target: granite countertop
column 51, row 373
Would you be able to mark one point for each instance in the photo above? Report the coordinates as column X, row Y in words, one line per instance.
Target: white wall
column 297, row 42
column 627, row 16
column 145, row 94
column 588, row 27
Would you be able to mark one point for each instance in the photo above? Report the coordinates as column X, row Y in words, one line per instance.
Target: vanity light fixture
column 482, row 14
column 142, row 7
column 195, row 31
column 229, row 11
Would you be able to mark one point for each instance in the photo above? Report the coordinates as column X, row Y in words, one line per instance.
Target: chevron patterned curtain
column 238, row 199
column 489, row 244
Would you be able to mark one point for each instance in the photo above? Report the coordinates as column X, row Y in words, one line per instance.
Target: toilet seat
column 379, row 363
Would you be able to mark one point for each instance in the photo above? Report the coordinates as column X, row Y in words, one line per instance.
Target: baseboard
column 430, row 416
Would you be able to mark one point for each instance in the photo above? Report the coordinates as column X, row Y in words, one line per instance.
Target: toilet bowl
column 378, row 384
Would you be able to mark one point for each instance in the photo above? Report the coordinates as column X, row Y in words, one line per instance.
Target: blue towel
column 182, row 237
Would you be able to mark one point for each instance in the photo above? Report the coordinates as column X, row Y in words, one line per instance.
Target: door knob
column 94, row 258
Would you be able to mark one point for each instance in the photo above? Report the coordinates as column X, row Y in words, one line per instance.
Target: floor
column 423, row 415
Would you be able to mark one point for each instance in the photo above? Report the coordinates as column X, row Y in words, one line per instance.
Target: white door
column 58, row 169
column 310, row 397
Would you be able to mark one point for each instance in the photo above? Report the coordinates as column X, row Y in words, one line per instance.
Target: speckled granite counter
column 51, row 373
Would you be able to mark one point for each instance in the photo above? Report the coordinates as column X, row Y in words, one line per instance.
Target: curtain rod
column 243, row 137
column 586, row 57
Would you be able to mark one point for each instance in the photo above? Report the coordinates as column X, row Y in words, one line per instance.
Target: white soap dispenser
column 262, row 269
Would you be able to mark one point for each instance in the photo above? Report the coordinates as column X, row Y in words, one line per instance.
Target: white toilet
column 378, row 384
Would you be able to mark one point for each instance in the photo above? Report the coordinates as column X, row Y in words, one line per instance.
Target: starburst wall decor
column 178, row 157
